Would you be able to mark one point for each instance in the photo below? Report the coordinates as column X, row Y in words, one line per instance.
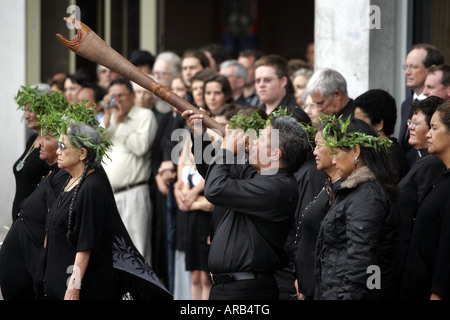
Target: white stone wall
column 342, row 41
column 12, row 76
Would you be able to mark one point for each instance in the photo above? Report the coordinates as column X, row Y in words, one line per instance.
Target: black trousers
column 256, row 289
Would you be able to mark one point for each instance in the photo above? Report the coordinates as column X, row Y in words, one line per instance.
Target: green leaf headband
column 57, row 121
column 346, row 139
column 42, row 103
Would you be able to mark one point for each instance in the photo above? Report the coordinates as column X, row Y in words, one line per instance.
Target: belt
column 128, row 187
column 234, row 276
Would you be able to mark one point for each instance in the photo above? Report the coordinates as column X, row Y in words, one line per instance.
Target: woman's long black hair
column 379, row 163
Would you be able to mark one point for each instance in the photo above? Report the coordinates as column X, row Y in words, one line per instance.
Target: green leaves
column 334, row 139
column 55, row 115
column 254, row 121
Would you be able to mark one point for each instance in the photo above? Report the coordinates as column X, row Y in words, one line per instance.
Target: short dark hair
column 428, row 106
column 379, row 105
column 122, row 81
column 199, row 54
column 228, row 110
column 444, row 111
column 293, row 142
column 445, row 73
column 433, row 57
column 99, row 92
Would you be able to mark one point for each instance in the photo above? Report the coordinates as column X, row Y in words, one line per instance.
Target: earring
column 356, row 162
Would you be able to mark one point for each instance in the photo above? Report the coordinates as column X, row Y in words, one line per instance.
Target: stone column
column 366, row 41
column 13, row 68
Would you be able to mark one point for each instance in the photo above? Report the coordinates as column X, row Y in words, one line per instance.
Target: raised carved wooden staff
column 89, row 45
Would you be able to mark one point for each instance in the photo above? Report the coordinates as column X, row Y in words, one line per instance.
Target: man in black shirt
column 260, row 197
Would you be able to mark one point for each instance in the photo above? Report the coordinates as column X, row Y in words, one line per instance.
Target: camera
column 111, row 104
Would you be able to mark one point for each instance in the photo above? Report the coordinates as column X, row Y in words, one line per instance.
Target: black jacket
column 260, row 208
column 427, row 268
column 359, row 231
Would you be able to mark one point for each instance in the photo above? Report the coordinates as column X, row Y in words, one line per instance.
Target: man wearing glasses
column 132, row 130
column 418, row 61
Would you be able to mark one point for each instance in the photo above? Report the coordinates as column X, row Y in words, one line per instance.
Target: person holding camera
column 132, row 130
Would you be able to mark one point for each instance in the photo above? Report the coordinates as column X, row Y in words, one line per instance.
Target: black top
column 349, row 110
column 24, row 242
column 427, row 268
column 307, row 229
column 33, row 214
column 92, row 213
column 33, row 171
column 423, row 173
column 251, row 235
column 287, row 101
column 399, row 161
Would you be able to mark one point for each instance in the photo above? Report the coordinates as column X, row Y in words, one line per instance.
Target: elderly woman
column 359, row 230
column 23, row 245
column 79, row 231
column 427, row 268
column 29, row 169
column 310, row 219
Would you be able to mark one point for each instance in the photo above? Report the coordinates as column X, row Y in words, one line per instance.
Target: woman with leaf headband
column 79, row 230
column 22, row 247
column 359, row 232
column 28, row 170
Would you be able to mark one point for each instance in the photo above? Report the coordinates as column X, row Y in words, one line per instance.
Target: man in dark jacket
column 260, row 197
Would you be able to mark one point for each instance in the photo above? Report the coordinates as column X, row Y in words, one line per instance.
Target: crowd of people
column 325, row 192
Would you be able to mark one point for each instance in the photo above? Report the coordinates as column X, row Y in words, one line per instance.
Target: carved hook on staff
column 87, row 44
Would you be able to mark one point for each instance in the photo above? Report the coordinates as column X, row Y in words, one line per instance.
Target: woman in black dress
column 427, row 268
column 78, row 263
column 309, row 221
column 29, row 169
column 23, row 245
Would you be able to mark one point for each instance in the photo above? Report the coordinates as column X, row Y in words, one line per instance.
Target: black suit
column 403, row 136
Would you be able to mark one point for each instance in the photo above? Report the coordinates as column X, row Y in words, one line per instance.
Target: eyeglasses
column 62, row 146
column 413, row 124
column 410, row 67
column 265, row 80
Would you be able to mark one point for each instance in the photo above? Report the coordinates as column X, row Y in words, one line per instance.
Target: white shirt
column 130, row 154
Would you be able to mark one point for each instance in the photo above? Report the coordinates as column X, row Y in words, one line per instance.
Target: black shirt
column 428, row 262
column 287, row 101
column 307, row 229
column 33, row 171
column 92, row 215
column 251, row 235
column 423, row 173
column 349, row 110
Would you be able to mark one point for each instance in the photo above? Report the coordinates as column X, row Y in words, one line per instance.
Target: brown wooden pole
column 90, row 46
